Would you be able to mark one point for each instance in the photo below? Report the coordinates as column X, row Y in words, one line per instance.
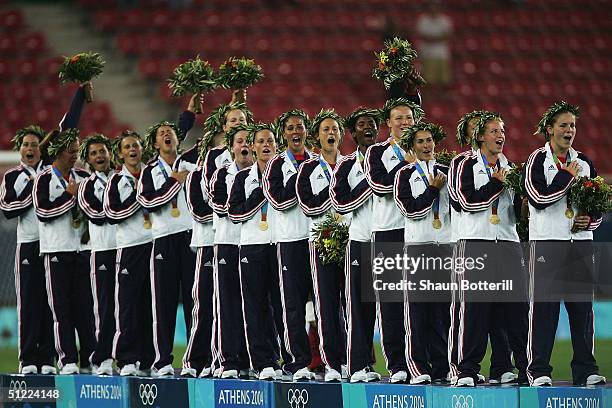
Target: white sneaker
column 165, row 371
column 373, row 376
column 332, row 375
column 128, row 370
column 278, row 375
column 47, row 369
column 481, row 379
column 29, row 369
column 303, row 374
column 399, row 377
column 206, row 371
column 267, row 373
column 229, row 374
column 506, row 378
column 421, row 379
column 70, row 368
column 360, row 376
column 344, row 371
column 595, row 379
column 217, row 372
column 106, row 368
column 189, row 372
column 465, row 382
column 509, row 377
column 543, row 381
column 453, row 379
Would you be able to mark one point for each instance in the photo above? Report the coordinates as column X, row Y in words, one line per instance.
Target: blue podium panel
column 477, row 397
column 242, row 394
column 162, row 392
column 201, row 393
column 307, row 395
column 100, row 392
column 385, row 396
column 20, row 390
column 564, row 397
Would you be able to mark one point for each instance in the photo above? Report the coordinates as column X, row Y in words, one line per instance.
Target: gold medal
column 494, row 219
column 76, row 223
column 569, row 213
column 437, row 224
column 338, row 217
column 147, row 224
column 175, row 212
column 263, row 225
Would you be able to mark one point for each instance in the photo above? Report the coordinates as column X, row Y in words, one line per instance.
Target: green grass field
column 561, row 358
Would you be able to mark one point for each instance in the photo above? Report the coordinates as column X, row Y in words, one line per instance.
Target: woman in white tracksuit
column 258, row 266
column 312, row 188
column 133, row 339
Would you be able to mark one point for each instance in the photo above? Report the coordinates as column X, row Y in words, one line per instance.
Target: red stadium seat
column 162, row 19
column 50, row 67
column 8, row 44
column 33, row 43
column 128, row 44
column 149, row 68
column 108, row 20
column 136, row 20
column 27, row 68
column 11, row 20
column 5, row 70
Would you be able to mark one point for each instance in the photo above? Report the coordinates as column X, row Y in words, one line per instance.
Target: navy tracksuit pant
column 172, row 270
column 103, row 271
column 506, row 259
column 133, row 339
column 261, row 305
column 34, row 320
column 361, row 315
column 391, row 314
column 199, row 348
column 295, row 286
column 230, row 332
column 328, row 290
column 71, row 303
column 570, row 264
column 428, row 322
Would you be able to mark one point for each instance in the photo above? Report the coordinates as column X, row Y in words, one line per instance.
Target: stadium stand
column 30, row 91
column 511, row 57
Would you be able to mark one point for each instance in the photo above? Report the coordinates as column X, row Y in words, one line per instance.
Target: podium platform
column 87, row 391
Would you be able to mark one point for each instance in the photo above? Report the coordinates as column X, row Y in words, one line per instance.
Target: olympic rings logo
column 148, row 393
column 18, row 387
column 297, row 398
column 463, row 401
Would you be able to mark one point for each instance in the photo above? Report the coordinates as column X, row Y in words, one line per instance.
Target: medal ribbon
column 293, row 160
column 397, row 150
column 75, row 210
column 25, row 168
column 325, row 168
column 264, row 208
column 436, row 203
column 360, row 156
column 145, row 212
column 568, row 160
column 165, row 173
column 488, row 169
column 102, row 181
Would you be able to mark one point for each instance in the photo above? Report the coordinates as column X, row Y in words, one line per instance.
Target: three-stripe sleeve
column 240, row 208
column 344, row 198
